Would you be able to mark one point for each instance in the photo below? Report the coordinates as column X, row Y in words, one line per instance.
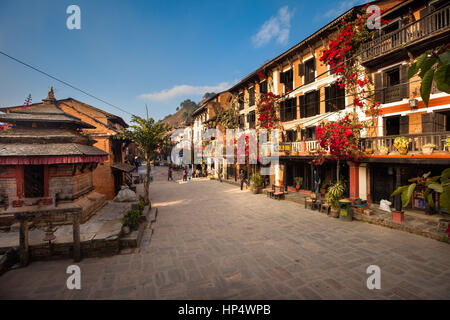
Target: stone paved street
column 213, row 241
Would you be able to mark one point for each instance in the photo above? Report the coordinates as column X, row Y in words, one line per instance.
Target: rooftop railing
column 433, row 23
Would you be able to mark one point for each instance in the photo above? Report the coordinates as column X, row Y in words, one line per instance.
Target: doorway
column 34, row 181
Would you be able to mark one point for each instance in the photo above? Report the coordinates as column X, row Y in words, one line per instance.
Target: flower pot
column 403, row 151
column 334, row 213
column 297, row 187
column 256, row 190
column 427, row 150
column 398, row 216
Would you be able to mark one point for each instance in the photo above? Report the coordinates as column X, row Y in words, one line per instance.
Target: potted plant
column 438, row 184
column 369, row 151
column 256, row 183
column 334, row 193
column 383, row 150
column 298, row 182
column 428, row 148
column 401, row 144
column 447, row 143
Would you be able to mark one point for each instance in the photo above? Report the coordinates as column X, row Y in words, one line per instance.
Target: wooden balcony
column 416, row 141
column 299, row 148
column 434, row 24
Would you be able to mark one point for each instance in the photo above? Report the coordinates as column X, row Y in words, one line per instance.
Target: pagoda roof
column 49, row 149
column 46, row 114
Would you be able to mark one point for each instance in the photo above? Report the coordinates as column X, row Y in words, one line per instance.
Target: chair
column 310, row 201
column 324, row 205
column 271, row 192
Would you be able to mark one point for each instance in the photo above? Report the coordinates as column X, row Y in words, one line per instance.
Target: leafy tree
column 208, row 95
column 439, row 184
column 433, row 65
column 148, row 136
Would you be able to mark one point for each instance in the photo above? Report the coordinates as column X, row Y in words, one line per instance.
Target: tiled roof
column 50, row 149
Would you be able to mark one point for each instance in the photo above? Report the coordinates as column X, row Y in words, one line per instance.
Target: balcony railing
column 306, row 147
column 416, row 141
column 430, row 24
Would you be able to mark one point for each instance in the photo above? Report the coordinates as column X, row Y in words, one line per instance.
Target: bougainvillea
column 267, row 113
column 342, row 57
column 340, row 138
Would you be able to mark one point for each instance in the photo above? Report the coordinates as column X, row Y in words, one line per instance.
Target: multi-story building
column 416, row 26
column 310, row 96
column 205, row 117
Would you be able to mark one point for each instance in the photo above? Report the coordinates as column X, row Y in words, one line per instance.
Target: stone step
column 153, row 213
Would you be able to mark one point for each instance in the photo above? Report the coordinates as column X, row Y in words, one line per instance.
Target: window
column 310, row 70
column 241, row 101
column 263, row 88
column 309, row 104
column 290, row 136
column 396, row 125
column 309, row 133
column 251, row 118
column 251, row 96
column 288, row 110
column 241, row 121
column 334, row 98
column 287, row 78
column 392, row 85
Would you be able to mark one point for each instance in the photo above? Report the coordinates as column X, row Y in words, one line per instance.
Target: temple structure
column 46, row 165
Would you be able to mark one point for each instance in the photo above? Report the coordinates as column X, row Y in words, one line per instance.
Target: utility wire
column 64, row 82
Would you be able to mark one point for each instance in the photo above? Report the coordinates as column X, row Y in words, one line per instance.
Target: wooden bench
column 279, row 195
column 271, row 192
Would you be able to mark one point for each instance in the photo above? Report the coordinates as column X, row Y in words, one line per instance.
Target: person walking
column 243, row 178
column 184, row 175
column 169, row 174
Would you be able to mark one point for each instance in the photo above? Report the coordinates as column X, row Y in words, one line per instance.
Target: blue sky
column 130, row 53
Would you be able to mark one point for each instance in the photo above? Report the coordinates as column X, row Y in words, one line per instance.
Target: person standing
column 169, row 174
column 242, row 177
column 184, row 175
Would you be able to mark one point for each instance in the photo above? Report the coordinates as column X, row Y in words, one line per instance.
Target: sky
column 159, row 53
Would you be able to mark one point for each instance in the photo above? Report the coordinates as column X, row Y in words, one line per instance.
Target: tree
column 148, row 136
column 433, row 65
column 208, row 95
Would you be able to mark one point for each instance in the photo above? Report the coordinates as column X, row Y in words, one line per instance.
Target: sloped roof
column 15, row 116
column 50, row 149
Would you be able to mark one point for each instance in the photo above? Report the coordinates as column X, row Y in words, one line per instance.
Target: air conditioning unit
column 413, row 103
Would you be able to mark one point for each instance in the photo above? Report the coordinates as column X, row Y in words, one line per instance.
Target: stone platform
column 99, row 235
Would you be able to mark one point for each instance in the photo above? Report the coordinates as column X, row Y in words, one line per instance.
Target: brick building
column 103, row 126
column 46, row 164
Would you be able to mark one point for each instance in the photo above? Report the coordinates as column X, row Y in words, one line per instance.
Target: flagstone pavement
column 213, row 241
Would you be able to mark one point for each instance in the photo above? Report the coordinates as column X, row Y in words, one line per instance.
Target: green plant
column 256, row 180
column 131, row 219
column 429, row 145
column 433, row 65
column 401, row 143
column 334, row 193
column 298, row 181
column 439, row 184
column 447, row 142
column 141, row 205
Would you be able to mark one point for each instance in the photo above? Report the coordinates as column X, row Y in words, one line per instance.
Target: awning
column 125, row 167
column 51, row 160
